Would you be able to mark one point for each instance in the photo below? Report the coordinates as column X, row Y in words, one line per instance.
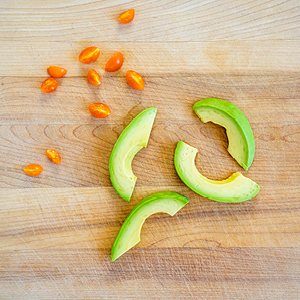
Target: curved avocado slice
column 129, row 234
column 132, row 139
column 241, row 144
column 236, row 188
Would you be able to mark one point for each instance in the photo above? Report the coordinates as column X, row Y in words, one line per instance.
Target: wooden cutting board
column 56, row 230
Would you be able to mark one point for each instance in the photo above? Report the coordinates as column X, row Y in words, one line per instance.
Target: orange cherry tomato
column 114, row 63
column 135, row 80
column 99, row 110
column 89, row 55
column 127, row 16
column 93, row 77
column 54, row 156
column 56, row 72
column 49, row 85
column 33, row 170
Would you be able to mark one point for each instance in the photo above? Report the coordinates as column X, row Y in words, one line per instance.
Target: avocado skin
column 237, row 116
column 208, row 187
column 124, row 181
column 147, row 201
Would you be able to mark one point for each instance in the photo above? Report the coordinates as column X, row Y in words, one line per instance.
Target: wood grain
column 85, row 151
column 152, row 59
column 181, row 273
column 155, row 20
column 263, row 98
column 75, row 218
column 56, row 230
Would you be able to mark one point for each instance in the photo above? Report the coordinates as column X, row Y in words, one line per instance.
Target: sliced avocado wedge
column 133, row 138
column 241, row 144
column 236, row 188
column 129, row 234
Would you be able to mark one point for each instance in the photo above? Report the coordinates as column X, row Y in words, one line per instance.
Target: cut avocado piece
column 236, row 188
column 133, row 138
column 129, row 234
column 241, row 144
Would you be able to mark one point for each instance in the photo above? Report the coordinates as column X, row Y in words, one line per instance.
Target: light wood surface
column 56, row 230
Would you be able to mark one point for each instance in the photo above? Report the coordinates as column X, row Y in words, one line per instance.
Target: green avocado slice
column 241, row 144
column 236, row 188
column 129, row 234
column 133, row 138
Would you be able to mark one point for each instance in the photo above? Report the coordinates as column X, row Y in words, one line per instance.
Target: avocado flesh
column 133, row 138
column 129, row 234
column 236, row 188
column 241, row 144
